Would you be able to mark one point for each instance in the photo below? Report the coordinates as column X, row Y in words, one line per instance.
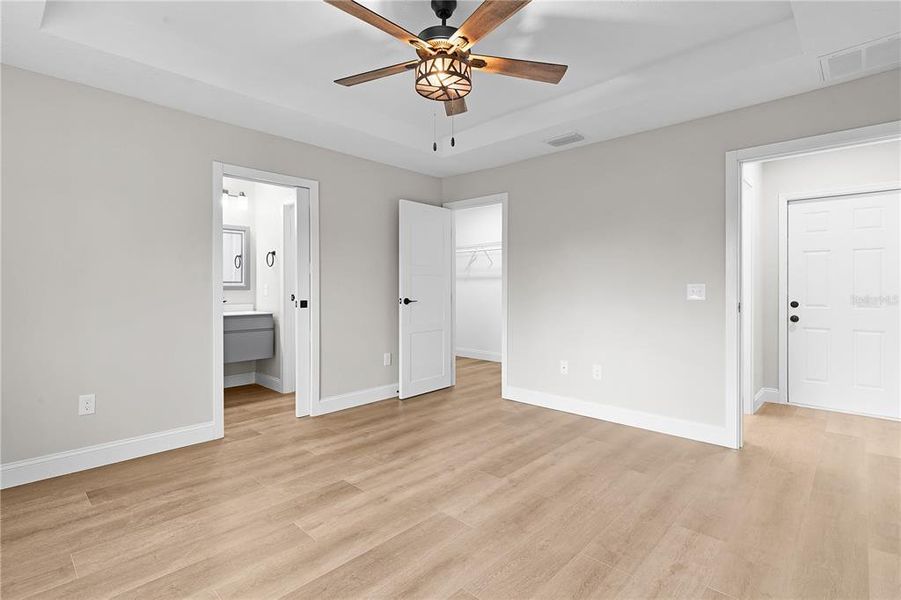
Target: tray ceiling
column 270, row 66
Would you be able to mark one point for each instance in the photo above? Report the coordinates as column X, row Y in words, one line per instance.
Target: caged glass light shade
column 443, row 77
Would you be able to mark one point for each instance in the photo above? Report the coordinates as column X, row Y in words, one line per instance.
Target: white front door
column 425, row 304
column 843, row 286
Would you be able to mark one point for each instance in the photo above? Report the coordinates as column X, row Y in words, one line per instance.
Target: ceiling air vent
column 871, row 57
column 565, row 139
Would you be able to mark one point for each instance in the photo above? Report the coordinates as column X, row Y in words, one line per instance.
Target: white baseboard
column 701, row 432
column 765, row 394
column 359, row 398
column 240, row 379
column 70, row 461
column 478, row 354
column 268, row 381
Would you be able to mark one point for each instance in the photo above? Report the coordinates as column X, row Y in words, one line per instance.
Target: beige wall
column 862, row 165
column 106, row 252
column 603, row 239
column 106, row 211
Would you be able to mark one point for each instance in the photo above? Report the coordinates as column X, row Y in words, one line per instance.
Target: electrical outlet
column 86, row 404
column 386, row 360
column 596, row 371
column 696, row 291
column 564, row 367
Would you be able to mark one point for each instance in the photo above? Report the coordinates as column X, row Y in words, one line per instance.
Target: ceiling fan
column 445, row 63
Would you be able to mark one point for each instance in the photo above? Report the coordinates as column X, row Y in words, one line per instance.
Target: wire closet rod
column 481, row 247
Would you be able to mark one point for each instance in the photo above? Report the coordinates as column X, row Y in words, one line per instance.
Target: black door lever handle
column 408, row 301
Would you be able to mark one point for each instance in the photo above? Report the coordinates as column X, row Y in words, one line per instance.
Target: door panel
column 303, row 384
column 425, row 277
column 816, row 293
column 869, row 359
column 843, row 270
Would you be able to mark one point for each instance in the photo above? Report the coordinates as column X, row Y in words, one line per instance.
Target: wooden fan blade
column 377, row 73
column 484, row 20
column 377, row 20
column 455, row 107
column 512, row 67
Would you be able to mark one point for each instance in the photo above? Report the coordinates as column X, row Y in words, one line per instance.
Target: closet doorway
column 480, row 280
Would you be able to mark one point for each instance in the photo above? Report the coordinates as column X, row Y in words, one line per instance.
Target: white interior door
column 425, row 304
column 843, row 286
column 287, row 332
column 303, row 384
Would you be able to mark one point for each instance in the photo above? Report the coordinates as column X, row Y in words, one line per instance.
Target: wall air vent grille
column 565, row 139
column 871, row 57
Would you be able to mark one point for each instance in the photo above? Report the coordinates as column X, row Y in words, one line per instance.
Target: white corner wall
column 478, row 320
column 751, row 194
column 603, row 239
column 106, row 252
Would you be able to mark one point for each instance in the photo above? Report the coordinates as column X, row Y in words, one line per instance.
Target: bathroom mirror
column 236, row 257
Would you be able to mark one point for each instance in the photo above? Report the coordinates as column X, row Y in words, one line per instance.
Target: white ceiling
column 270, row 66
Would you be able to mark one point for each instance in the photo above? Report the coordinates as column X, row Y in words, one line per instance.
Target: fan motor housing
column 437, row 32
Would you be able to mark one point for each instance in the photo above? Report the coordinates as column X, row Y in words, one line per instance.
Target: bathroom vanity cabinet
column 249, row 335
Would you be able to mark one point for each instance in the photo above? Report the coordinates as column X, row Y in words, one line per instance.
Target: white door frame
column 784, row 200
column 735, row 353
column 221, row 170
column 472, row 203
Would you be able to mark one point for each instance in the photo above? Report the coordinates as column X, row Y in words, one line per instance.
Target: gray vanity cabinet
column 249, row 336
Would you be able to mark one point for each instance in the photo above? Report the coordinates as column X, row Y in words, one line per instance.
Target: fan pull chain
column 453, row 141
column 434, row 132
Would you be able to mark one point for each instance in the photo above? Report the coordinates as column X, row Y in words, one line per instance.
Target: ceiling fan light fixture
column 443, row 77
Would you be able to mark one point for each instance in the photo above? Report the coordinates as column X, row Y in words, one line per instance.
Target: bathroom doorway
column 265, row 283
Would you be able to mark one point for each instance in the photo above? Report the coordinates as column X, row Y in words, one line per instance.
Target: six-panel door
column 843, row 273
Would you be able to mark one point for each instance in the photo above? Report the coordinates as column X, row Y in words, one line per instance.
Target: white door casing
column 425, row 307
column 843, row 271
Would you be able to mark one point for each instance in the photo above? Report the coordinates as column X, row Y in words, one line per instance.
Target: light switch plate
column 696, row 291
column 564, row 367
column 596, row 372
column 386, row 360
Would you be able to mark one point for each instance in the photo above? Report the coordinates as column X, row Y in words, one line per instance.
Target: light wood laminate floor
column 461, row 495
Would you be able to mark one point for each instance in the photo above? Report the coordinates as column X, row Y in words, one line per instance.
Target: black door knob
column 793, row 304
column 408, row 301
column 794, row 318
